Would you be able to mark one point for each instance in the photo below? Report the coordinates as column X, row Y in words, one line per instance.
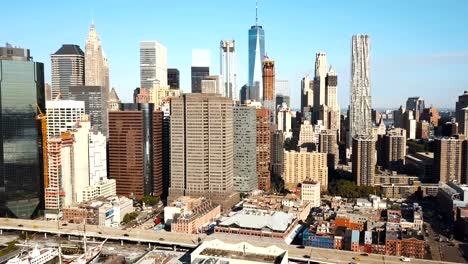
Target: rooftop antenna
column 256, row 12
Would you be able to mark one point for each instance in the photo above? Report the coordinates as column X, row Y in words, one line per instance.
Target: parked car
column 405, row 259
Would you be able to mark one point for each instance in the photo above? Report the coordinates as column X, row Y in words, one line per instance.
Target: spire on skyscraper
column 256, row 12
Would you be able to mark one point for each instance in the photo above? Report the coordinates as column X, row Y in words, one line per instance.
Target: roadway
column 191, row 241
column 93, row 231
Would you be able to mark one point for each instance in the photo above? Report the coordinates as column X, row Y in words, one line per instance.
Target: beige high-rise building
column 211, row 84
column 363, row 160
column 202, row 147
column 310, row 193
column 299, row 166
column 96, row 64
column 307, row 98
column 306, row 134
column 327, row 144
column 448, row 159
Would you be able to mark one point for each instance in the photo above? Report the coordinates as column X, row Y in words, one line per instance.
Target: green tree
column 150, row 200
column 130, row 217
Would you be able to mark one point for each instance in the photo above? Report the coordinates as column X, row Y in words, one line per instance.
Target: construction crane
column 43, row 118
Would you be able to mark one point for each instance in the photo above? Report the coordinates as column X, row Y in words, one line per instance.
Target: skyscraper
column 96, row 65
column 201, row 62
column 459, row 112
column 21, row 165
column 173, row 79
column 328, row 144
column 363, row 160
column 360, row 113
column 202, row 147
column 68, row 69
column 263, row 149
column 211, row 84
column 228, row 70
column 319, row 79
column 448, row 160
column 307, row 93
column 282, row 92
column 394, row 149
column 135, row 149
column 153, row 64
column 245, row 151
column 416, row 104
column 269, row 100
column 277, row 161
column 256, row 57
column 95, row 100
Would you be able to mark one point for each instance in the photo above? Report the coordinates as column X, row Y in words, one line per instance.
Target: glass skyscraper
column 256, row 57
column 21, row 171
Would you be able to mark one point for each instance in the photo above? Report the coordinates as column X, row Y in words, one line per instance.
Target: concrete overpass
column 92, row 231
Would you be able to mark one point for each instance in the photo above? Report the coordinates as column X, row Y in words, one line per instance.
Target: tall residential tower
column 360, row 113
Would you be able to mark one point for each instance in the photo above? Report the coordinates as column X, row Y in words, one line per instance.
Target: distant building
column 201, row 62
column 96, row 63
column 415, row 104
column 328, row 144
column 256, row 58
column 269, row 99
column 135, row 150
column 159, row 95
column 68, row 69
column 228, row 69
column 307, row 136
column 173, row 78
column 211, row 84
column 95, row 100
column 202, row 162
column 460, row 104
column 310, row 193
column 284, row 118
column 193, row 214
column 364, row 160
column 263, row 149
column 307, row 93
column 113, row 103
column 448, row 160
column 245, row 148
column 299, row 166
column 277, row 153
column 422, row 129
column 394, row 149
column 21, row 153
column 153, row 64
column 431, row 115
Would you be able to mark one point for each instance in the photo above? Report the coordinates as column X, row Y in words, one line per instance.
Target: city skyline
column 429, row 47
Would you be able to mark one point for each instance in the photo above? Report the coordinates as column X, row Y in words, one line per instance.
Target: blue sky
column 417, row 47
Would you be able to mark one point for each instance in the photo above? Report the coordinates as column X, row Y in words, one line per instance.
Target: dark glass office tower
column 21, row 171
column 198, row 74
column 173, row 78
column 95, row 104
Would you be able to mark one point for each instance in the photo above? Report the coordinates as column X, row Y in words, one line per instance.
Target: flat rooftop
column 236, row 255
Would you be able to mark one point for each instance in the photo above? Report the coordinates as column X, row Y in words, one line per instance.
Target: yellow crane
column 43, row 118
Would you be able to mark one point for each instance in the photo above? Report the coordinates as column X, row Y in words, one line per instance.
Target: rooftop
column 255, row 219
column 69, row 49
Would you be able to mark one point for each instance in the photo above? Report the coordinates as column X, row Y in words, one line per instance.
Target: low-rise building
column 219, row 252
column 189, row 215
column 451, row 196
column 310, row 193
column 108, row 211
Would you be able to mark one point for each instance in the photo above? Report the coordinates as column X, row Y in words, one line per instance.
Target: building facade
column 363, row 160
column 245, row 149
column 21, row 163
column 68, row 69
column 135, row 150
column 256, row 58
column 153, row 64
column 360, row 113
column 299, row 166
column 310, row 193
column 62, row 116
column 201, row 147
column 328, row 144
column 263, row 149
column 173, row 78
column 95, row 104
column 96, row 63
column 448, row 160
